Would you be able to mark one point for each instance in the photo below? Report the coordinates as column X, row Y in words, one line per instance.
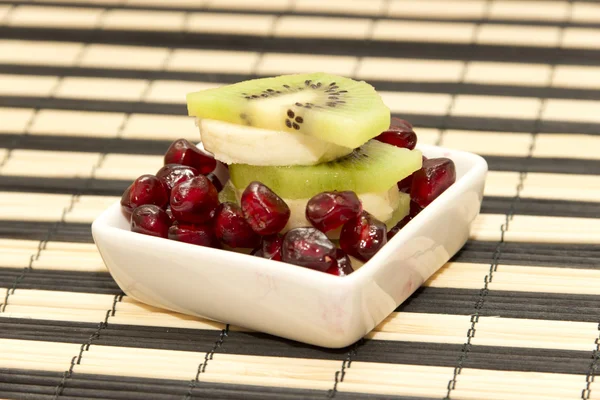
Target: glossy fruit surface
column 232, row 229
column 173, row 174
column 148, row 189
column 310, row 248
column 362, row 237
column 150, row 220
column 343, row 265
column 184, row 152
column 329, row 210
column 194, row 200
column 436, row 175
column 266, row 212
column 271, row 247
column 201, row 235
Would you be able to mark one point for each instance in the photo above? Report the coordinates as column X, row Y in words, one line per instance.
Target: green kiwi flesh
column 374, row 168
column 332, row 108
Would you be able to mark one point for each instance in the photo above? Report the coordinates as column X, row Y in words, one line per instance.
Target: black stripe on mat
column 532, row 254
column 505, row 304
column 259, row 344
column 85, row 144
column 347, row 47
column 33, row 230
column 544, row 164
column 30, row 384
column 427, row 121
column 380, row 85
column 175, row 8
column 69, row 281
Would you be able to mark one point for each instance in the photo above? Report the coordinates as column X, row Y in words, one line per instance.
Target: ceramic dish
column 286, row 300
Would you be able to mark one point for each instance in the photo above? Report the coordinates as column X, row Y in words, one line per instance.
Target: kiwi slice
column 332, row 108
column 374, row 167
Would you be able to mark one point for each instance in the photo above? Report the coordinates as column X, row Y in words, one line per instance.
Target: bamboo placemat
column 92, row 92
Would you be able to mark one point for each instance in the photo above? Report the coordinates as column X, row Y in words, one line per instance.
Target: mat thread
column 76, row 360
column 209, row 356
column 466, row 348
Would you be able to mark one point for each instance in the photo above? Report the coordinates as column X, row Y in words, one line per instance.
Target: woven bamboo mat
column 92, row 92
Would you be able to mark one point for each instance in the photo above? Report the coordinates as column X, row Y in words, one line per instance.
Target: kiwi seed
column 290, row 113
column 296, row 126
column 288, row 123
column 299, row 120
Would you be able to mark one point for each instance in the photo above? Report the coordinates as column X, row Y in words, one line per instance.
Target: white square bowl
column 286, row 300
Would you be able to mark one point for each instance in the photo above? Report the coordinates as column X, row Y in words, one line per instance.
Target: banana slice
column 239, row 144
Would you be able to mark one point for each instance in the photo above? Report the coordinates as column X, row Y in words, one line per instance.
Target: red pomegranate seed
column 329, row 210
column 201, row 235
column 126, row 207
column 232, row 229
column 308, row 247
column 271, row 247
column 343, row 266
column 170, row 214
column 215, row 181
column 184, row 152
column 405, row 184
column 148, row 189
column 194, row 200
column 266, row 212
column 363, row 236
column 437, row 175
column 150, row 220
column 173, row 174
column 402, row 139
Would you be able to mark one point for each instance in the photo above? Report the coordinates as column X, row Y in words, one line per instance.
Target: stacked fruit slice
column 311, row 159
column 301, row 135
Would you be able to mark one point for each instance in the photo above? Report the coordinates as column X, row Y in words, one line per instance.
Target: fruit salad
column 318, row 174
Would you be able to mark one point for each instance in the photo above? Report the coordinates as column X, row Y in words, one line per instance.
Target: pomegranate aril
column 271, row 247
column 308, row 247
column 173, row 174
column 343, row 265
column 405, row 184
column 126, row 207
column 201, row 235
column 392, row 232
column 363, row 236
column 266, row 212
column 170, row 214
column 437, row 175
column 215, row 181
column 329, row 210
column 398, row 138
column 148, row 189
column 184, row 152
column 232, row 229
column 194, row 200
column 415, row 209
column 150, row 219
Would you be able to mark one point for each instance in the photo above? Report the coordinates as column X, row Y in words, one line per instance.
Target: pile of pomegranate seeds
column 181, row 203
